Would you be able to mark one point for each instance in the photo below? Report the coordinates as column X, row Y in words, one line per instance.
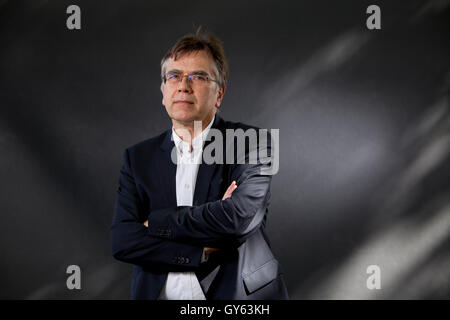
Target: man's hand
column 146, row 223
column 208, row 251
column 230, row 190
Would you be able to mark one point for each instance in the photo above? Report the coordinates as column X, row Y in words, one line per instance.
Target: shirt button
column 186, row 186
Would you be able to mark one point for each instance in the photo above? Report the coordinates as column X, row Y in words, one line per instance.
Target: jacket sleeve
column 130, row 240
column 220, row 223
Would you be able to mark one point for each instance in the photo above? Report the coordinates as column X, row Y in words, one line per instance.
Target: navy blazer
column 243, row 268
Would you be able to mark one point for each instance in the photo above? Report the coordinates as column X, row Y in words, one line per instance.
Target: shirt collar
column 197, row 142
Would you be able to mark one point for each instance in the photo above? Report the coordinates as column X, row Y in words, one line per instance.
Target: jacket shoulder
column 238, row 125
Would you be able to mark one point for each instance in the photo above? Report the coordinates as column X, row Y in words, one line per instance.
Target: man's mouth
column 183, row 102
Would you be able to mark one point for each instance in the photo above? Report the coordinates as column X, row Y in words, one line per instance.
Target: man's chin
column 185, row 119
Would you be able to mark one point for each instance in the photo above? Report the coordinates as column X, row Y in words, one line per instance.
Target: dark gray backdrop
column 364, row 136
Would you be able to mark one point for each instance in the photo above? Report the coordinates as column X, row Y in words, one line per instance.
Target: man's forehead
column 196, row 60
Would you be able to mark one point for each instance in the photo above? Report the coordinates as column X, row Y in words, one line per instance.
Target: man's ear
column 161, row 88
column 220, row 95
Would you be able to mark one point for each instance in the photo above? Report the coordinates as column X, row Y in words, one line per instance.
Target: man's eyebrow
column 197, row 72
column 174, row 71
column 200, row 72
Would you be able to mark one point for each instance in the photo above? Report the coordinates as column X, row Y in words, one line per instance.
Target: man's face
column 186, row 102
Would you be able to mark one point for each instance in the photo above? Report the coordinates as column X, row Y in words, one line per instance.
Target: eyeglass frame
column 204, row 74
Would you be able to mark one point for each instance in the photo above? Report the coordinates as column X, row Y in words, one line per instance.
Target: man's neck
column 189, row 130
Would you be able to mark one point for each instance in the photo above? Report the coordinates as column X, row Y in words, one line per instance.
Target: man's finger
column 230, row 190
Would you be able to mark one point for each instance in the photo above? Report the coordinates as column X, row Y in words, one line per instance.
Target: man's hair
column 199, row 41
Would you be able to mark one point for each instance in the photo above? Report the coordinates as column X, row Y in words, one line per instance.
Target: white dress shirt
column 185, row 285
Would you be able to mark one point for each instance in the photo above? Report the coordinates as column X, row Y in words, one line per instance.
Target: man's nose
column 184, row 85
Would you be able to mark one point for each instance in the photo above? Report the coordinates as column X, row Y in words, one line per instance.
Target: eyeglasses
column 194, row 79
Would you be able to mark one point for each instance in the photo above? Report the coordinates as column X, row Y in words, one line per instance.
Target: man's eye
column 199, row 77
column 172, row 76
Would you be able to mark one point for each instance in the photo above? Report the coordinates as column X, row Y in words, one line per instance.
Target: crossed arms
column 187, row 229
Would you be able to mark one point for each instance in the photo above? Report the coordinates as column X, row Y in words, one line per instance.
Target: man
column 194, row 230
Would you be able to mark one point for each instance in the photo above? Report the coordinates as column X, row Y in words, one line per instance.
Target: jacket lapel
column 168, row 170
column 205, row 171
